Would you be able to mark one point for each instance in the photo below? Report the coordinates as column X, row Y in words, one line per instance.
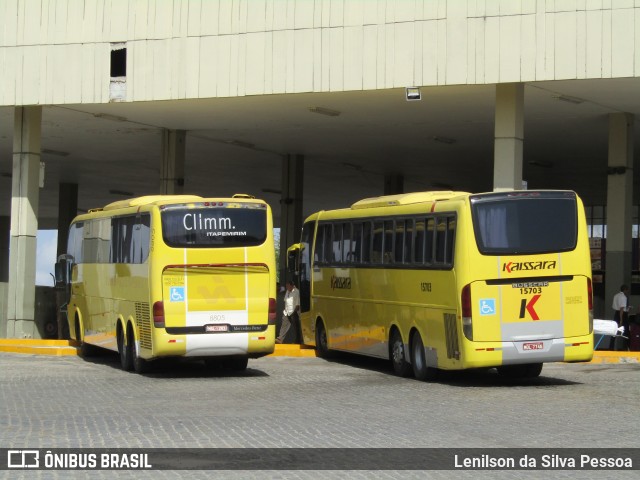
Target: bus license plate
column 533, row 346
column 216, row 328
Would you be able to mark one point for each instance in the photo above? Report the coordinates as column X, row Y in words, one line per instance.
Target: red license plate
column 533, row 346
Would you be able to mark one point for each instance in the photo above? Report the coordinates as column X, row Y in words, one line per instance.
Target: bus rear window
column 525, row 223
column 214, row 227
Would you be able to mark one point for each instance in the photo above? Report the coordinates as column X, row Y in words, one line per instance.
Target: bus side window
column 319, row 247
column 428, row 240
column 388, row 242
column 451, row 230
column 347, row 243
column 408, row 241
column 376, row 249
column 418, row 244
column 328, row 229
column 336, row 241
column 366, row 242
column 441, row 238
column 356, row 244
column 399, row 241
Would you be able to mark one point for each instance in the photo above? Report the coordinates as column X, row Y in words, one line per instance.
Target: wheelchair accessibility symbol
column 487, row 306
column 176, row 294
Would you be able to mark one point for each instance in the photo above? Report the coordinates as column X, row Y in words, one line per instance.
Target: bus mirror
column 63, row 269
column 292, row 257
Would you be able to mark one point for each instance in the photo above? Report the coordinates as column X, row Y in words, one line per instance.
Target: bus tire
column 527, row 370
column 84, row 348
column 401, row 367
column 419, row 361
column 322, row 344
column 139, row 365
column 124, row 351
column 236, row 364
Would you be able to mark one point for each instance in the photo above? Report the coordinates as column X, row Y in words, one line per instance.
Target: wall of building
column 58, row 52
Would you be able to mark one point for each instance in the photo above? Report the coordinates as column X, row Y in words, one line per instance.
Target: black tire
column 139, row 365
column 419, row 361
column 527, row 370
column 236, row 364
column 123, row 350
column 85, row 349
column 322, row 344
column 401, row 367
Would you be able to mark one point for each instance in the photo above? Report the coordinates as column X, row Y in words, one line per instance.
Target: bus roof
column 406, row 199
column 168, row 199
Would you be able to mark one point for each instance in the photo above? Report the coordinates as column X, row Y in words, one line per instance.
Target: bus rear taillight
column 158, row 315
column 465, row 302
column 272, row 311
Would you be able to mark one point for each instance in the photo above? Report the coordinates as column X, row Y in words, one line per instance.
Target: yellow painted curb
column 38, row 347
column 615, row 357
column 287, row 350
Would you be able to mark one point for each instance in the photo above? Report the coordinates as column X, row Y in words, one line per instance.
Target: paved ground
column 68, row 402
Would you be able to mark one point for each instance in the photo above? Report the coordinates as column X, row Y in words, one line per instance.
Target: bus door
column 304, row 277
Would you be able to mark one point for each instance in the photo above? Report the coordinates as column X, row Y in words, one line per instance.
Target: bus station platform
column 68, row 347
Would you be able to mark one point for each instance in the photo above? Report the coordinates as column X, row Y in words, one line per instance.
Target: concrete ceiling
column 236, row 144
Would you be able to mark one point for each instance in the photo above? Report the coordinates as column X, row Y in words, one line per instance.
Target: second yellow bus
column 450, row 280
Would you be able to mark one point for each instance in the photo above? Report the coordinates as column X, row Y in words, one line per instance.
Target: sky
column 46, row 248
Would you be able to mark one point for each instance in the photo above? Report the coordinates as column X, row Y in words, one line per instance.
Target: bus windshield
column 214, row 226
column 541, row 222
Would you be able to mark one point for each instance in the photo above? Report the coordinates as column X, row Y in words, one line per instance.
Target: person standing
column 290, row 316
column 620, row 306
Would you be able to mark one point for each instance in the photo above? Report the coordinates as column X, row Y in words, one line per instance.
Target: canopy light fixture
column 412, row 93
column 107, row 116
column 568, row 99
column 324, row 111
column 445, row 140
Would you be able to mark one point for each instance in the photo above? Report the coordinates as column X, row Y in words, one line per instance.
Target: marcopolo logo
column 520, row 266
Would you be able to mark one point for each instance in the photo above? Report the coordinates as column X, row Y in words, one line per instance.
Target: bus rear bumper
column 495, row 354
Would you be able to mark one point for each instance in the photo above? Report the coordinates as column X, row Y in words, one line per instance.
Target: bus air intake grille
column 451, row 332
column 143, row 319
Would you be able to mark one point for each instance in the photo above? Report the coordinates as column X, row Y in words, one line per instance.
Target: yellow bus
column 450, row 280
column 173, row 276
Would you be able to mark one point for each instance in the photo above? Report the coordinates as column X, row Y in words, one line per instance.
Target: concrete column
column 509, row 137
column 5, row 234
column 5, row 231
column 619, row 206
column 24, row 223
column 291, row 206
column 393, row 183
column 67, row 210
column 172, row 166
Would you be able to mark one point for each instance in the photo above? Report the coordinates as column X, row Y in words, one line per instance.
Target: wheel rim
column 397, row 350
column 322, row 337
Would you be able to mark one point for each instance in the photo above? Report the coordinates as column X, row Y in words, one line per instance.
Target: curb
column 68, row 347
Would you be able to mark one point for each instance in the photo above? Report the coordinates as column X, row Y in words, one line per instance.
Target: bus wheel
column 124, row 351
column 322, row 345
column 139, row 365
column 527, row 370
column 237, row 364
column 419, row 362
column 401, row 367
column 85, row 349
